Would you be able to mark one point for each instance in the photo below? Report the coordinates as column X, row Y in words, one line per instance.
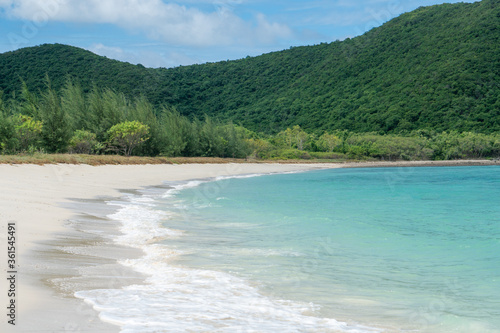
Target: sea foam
column 180, row 299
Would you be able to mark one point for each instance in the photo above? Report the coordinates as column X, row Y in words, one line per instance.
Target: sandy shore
column 40, row 201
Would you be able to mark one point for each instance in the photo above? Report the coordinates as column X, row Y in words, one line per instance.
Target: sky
column 167, row 33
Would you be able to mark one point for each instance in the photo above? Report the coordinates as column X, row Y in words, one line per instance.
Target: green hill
column 434, row 68
column 31, row 64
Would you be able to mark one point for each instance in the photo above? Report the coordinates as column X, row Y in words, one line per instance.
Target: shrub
column 8, row 140
column 125, row 136
column 327, row 156
column 84, row 142
column 290, row 154
column 28, row 131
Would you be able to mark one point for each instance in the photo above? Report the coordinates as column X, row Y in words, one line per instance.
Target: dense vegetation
column 106, row 122
column 436, row 69
column 417, row 145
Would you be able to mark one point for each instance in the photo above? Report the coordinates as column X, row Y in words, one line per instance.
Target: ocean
column 337, row 250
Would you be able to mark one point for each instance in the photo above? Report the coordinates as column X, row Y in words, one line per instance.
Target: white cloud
column 147, row 58
column 109, row 51
column 168, row 22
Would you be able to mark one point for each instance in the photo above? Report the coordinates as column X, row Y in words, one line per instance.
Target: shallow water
column 356, row 250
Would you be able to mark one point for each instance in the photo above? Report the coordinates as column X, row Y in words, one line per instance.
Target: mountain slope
column 435, row 68
column 59, row 61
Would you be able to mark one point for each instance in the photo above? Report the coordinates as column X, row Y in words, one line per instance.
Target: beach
column 34, row 198
column 41, row 201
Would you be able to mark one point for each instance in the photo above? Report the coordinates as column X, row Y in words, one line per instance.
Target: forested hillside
column 32, row 64
column 435, row 68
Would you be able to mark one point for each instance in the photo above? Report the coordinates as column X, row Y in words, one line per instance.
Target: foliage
column 86, row 68
column 454, row 145
column 8, row 138
column 84, row 142
column 143, row 111
column 293, row 138
column 29, row 102
column 435, row 68
column 124, row 137
column 71, row 120
column 417, row 145
column 388, row 147
column 285, row 154
column 260, row 148
column 235, row 144
column 28, row 132
column 176, row 133
column 79, row 122
column 327, row 156
column 75, row 103
column 328, row 142
column 56, row 129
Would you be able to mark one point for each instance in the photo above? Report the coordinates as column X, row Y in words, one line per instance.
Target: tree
column 300, row 137
column 174, row 133
column 212, row 142
column 74, row 103
column 28, row 132
column 8, row 140
column 29, row 102
column 142, row 110
column 294, row 137
column 344, row 135
column 328, row 142
column 125, row 136
column 106, row 108
column 260, row 148
column 237, row 146
column 84, row 142
column 56, row 129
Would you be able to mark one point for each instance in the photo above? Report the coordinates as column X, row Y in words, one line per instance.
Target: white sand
column 33, row 197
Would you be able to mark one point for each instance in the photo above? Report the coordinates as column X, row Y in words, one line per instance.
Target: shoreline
column 41, row 200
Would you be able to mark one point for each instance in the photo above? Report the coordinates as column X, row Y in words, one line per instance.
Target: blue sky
column 166, row 33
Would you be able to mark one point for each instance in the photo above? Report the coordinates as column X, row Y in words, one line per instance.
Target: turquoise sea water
column 356, row 250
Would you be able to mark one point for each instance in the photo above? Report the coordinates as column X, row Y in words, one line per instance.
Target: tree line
column 104, row 121
column 342, row 144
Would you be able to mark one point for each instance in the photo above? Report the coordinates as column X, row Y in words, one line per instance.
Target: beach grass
column 42, row 159
column 95, row 160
